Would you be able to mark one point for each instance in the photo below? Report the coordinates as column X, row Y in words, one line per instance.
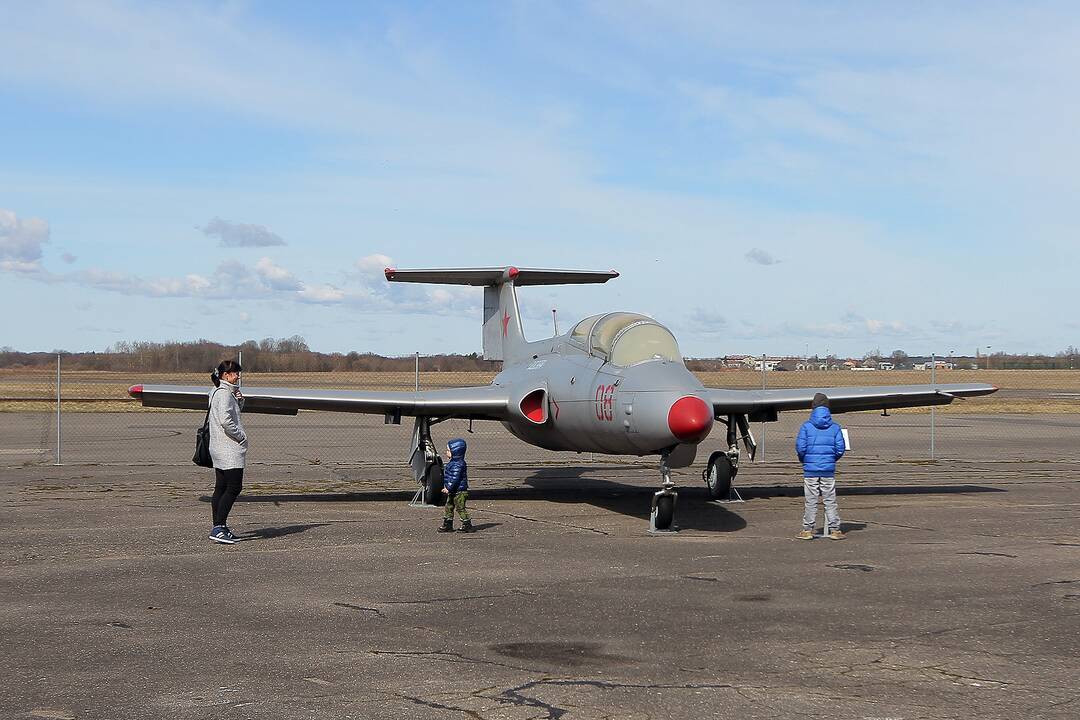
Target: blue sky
column 768, row 178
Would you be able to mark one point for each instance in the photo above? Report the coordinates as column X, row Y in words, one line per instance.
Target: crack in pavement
column 853, row 566
column 547, row 522
column 516, row 695
column 1056, row 582
column 512, row 593
column 451, row 657
column 359, row 607
column 440, row 706
column 989, row 554
column 896, row 525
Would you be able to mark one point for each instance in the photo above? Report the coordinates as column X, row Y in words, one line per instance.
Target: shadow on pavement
column 273, row 532
column 575, row 485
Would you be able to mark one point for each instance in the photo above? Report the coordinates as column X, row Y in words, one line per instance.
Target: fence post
column 418, row 372
column 933, row 381
column 58, row 426
column 763, row 387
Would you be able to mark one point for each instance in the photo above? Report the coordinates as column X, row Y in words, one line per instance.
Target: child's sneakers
column 836, row 535
column 806, row 535
column 221, row 534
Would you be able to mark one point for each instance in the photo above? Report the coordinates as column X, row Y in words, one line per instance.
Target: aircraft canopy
column 624, row 338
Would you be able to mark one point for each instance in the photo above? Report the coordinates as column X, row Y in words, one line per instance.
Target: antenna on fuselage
column 555, row 319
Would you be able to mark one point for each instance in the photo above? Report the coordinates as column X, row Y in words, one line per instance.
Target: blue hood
column 457, row 449
column 820, row 417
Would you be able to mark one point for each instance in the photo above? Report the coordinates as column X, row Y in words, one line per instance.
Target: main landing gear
column 723, row 465
column 427, row 465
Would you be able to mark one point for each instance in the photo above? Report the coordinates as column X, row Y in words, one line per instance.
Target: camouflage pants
column 456, row 501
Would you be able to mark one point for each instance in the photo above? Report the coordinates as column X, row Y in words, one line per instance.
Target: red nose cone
column 690, row 418
column 135, row 391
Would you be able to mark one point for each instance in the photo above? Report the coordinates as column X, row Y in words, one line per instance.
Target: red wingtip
column 389, row 272
column 512, row 272
column 135, row 391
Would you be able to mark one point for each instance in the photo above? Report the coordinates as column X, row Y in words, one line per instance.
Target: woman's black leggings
column 229, row 484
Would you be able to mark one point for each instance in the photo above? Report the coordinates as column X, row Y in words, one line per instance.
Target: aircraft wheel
column 433, row 479
column 665, row 512
column 718, row 476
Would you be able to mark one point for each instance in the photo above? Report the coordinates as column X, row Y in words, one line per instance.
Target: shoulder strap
column 206, row 422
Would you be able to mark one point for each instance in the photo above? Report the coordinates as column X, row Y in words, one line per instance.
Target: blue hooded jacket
column 819, row 444
column 456, row 472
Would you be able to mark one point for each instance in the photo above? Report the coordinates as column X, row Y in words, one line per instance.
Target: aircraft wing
column 486, row 402
column 766, row 403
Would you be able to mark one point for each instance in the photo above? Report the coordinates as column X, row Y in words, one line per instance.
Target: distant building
column 939, row 364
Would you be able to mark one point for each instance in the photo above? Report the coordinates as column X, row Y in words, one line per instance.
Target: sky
column 781, row 178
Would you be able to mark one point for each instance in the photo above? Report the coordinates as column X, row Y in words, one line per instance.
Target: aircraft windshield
column 624, row 338
column 580, row 333
column 642, row 342
column 607, row 327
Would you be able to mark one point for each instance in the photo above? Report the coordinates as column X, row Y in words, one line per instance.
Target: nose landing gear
column 662, row 518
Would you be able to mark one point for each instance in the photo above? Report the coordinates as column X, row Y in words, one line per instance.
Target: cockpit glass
column 580, row 333
column 607, row 327
column 643, row 342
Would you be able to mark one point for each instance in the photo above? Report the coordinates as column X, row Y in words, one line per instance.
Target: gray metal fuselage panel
column 595, row 406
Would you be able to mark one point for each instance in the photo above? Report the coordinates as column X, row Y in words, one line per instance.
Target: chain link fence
column 1034, row 416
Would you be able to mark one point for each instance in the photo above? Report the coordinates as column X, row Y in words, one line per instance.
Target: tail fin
column 503, row 336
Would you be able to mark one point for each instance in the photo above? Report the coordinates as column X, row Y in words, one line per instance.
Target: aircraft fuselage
column 595, row 406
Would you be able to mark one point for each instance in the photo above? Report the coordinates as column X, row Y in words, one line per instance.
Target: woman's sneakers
column 222, row 534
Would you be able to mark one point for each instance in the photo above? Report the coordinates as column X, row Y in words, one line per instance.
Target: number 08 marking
column 605, row 402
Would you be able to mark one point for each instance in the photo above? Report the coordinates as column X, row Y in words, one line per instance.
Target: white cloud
column 21, row 241
column 374, row 263
column 761, row 257
column 19, row 267
column 240, row 234
column 276, row 276
column 321, row 294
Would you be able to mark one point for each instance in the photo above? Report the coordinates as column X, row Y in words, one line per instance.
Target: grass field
column 1022, row 391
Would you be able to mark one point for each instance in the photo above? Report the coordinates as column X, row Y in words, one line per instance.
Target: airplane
column 615, row 383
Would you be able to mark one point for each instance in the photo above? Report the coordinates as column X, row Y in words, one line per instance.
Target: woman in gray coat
column 228, row 446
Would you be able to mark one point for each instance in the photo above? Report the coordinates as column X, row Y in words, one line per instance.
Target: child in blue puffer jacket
column 456, row 487
column 819, row 445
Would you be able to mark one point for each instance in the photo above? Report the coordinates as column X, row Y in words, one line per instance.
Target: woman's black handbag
column 202, row 442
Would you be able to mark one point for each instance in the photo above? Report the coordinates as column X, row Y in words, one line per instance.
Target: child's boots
column 466, row 526
column 447, row 525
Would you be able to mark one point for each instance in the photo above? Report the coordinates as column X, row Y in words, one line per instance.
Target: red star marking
column 506, row 321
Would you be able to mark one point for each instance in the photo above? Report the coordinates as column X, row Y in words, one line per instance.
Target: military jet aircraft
column 615, row 383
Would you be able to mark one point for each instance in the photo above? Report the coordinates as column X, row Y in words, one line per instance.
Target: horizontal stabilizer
column 499, row 275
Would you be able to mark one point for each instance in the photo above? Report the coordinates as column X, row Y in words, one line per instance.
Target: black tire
column 665, row 512
column 433, row 480
column 718, row 476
